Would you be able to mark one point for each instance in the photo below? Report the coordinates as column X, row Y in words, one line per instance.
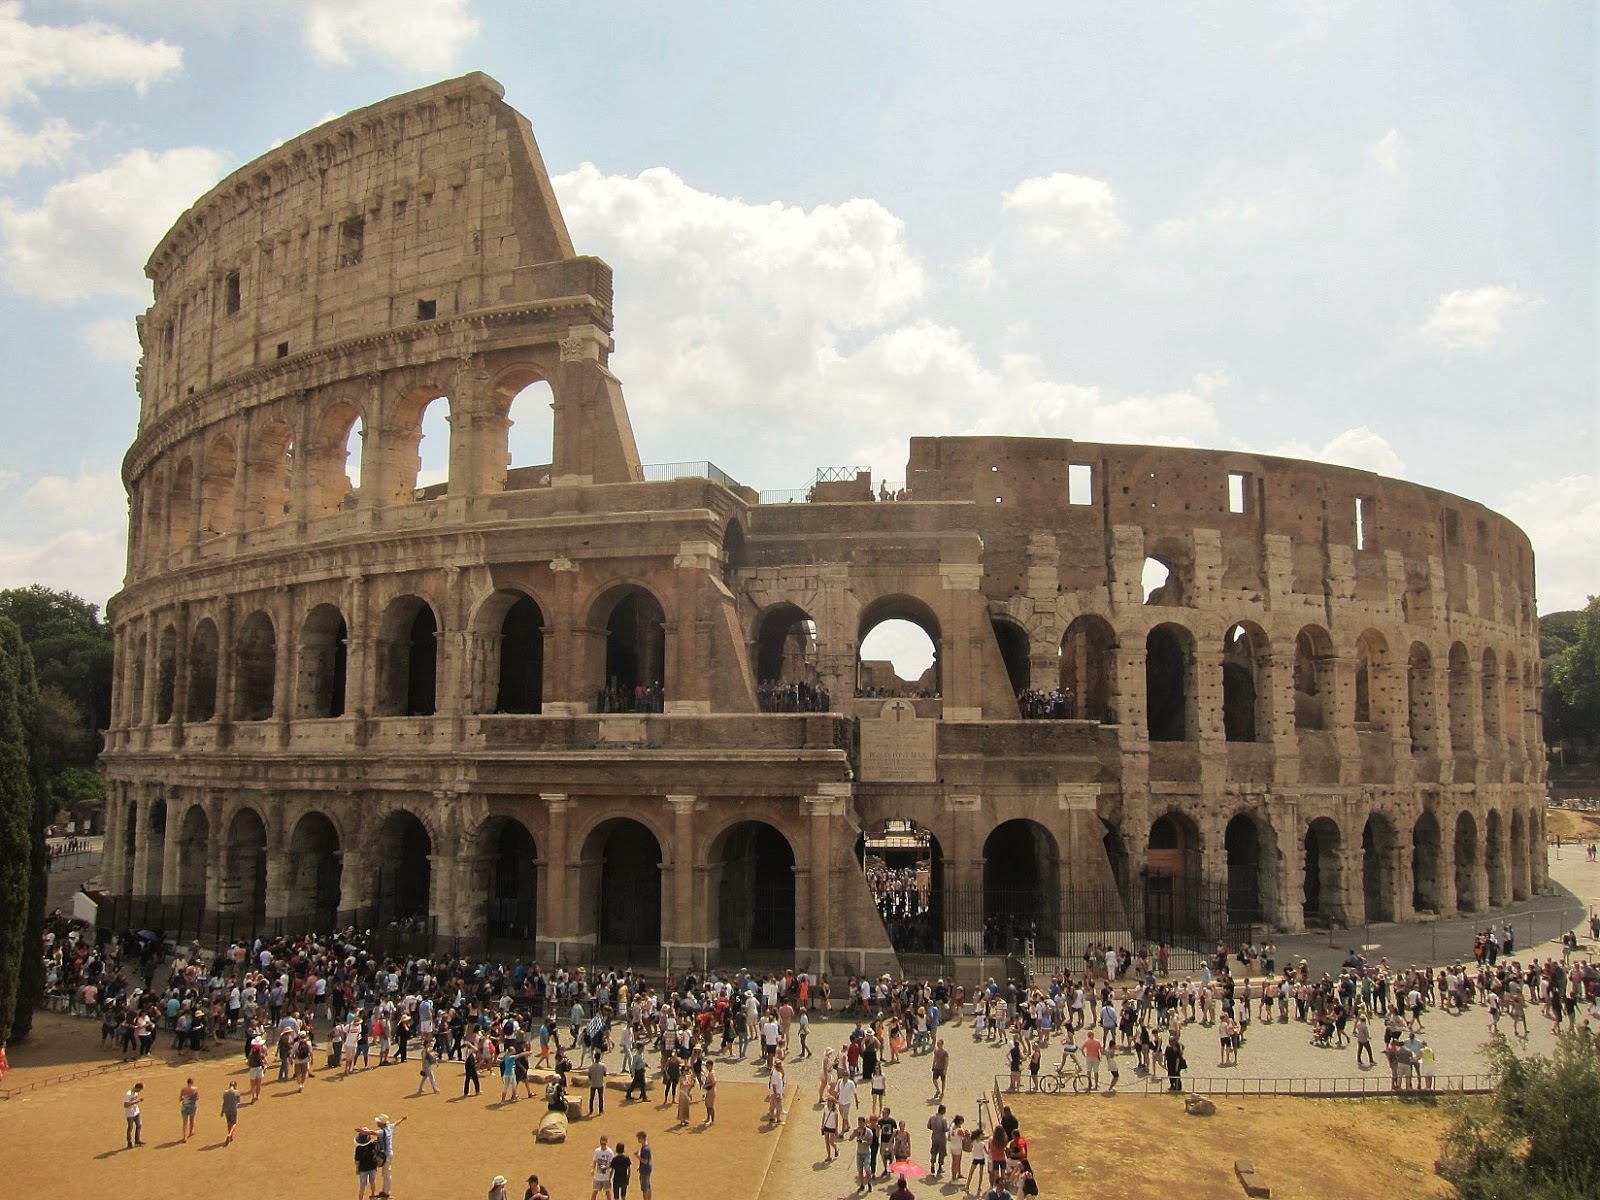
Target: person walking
column 188, row 1105
column 830, row 1129
column 131, row 1113
column 386, row 1130
column 426, row 1075
column 472, row 1082
column 230, row 1110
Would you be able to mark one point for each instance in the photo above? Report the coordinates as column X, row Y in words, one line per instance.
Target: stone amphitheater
column 587, row 703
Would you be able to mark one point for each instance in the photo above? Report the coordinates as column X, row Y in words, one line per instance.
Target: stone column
column 679, row 927
column 280, row 880
column 1400, row 877
column 169, row 855
column 113, row 859
column 822, row 813
column 141, row 845
column 1447, row 866
column 558, row 877
column 227, row 664
column 354, row 882
column 963, row 874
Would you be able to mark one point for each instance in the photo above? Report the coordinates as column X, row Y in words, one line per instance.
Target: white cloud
column 1562, row 519
column 113, row 340
column 78, row 533
column 422, row 35
column 89, row 53
column 9, row 478
column 47, row 144
column 1475, row 320
column 87, row 494
column 1072, row 213
column 1227, row 212
column 1389, row 152
column 88, row 562
column 91, row 235
column 979, row 270
column 1360, row 448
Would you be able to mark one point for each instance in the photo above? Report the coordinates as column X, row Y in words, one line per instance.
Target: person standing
column 131, row 1112
column 601, row 1169
column 621, row 1171
column 230, row 1110
column 939, row 1142
column 497, row 1188
column 188, row 1105
column 426, row 1075
column 709, row 1084
column 597, row 1084
column 941, row 1068
column 386, row 1130
column 366, row 1163
column 646, row 1160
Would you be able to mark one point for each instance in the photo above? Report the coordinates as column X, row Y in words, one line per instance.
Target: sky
column 1357, row 232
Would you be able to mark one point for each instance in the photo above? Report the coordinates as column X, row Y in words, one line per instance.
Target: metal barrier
column 1329, row 1086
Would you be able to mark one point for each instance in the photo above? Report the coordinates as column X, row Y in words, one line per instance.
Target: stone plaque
column 897, row 747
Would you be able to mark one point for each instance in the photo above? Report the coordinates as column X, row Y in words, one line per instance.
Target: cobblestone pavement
column 799, row 1169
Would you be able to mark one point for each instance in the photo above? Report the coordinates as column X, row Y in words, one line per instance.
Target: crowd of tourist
column 1055, row 705
column 640, row 698
column 777, row 696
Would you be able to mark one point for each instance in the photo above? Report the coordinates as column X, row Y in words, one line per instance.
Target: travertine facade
column 387, row 698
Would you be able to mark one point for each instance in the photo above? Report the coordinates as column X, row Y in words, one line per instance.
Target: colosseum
column 591, row 708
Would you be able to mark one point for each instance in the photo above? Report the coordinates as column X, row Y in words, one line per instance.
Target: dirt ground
column 67, row 1138
column 1569, row 824
column 1302, row 1149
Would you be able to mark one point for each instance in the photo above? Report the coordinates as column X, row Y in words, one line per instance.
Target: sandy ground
column 300, row 1145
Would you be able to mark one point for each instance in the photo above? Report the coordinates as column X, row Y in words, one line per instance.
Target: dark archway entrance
column 1167, row 659
column 244, row 883
column 194, row 850
column 405, row 875
column 409, row 659
column 315, row 874
column 1519, row 856
column 1021, row 889
column 255, row 669
column 755, row 896
column 521, row 659
column 1013, row 642
column 1494, row 857
column 1377, row 867
column 513, row 882
column 1243, row 647
column 635, row 673
column 786, row 662
column 1322, row 902
column 629, row 903
column 1426, row 850
column 905, row 874
column 324, row 641
column 1466, row 847
column 1086, row 669
column 1172, row 879
column 1249, row 860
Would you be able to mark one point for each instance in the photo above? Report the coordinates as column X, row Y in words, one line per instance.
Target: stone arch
column 194, row 851
column 269, row 471
column 1250, row 849
column 1489, row 680
column 754, row 863
column 315, row 872
column 1519, row 855
column 403, row 880
column 510, row 626
column 1421, row 703
column 1313, row 677
column 1466, row 856
column 622, row 883
column 523, row 405
column 166, row 674
column 339, row 438
column 1170, row 684
column 1427, row 855
column 139, row 647
column 403, row 447
column 180, row 506
column 1494, row 857
column 1246, row 700
column 1372, row 680
column 734, row 552
column 408, row 659
column 244, row 871
column 511, row 880
column 203, row 657
column 1165, row 573
column 255, row 670
column 904, row 867
column 1021, row 887
column 324, row 663
column 912, row 611
column 1460, row 699
column 1379, row 885
column 1012, row 639
column 632, row 675
column 1172, row 877
column 1322, row 899
column 217, row 487
column 785, row 645
column 1088, row 669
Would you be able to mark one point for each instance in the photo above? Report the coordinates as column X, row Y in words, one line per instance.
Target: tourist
column 938, row 1142
column 941, row 1068
column 830, row 1129
column 230, row 1110
column 366, row 1162
column 131, row 1111
column 601, row 1169
column 621, row 1171
column 708, row 1085
column 497, row 1188
column 536, row 1190
column 646, row 1160
column 426, row 1075
column 386, row 1130
column 188, row 1105
column 597, row 1084
column 775, row 1085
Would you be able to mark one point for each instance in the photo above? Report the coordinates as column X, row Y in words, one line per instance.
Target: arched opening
column 905, row 874
column 166, row 675
column 202, row 672
column 755, row 895
column 733, row 553
column 408, row 659
column 324, row 641
column 1245, row 716
column 1172, row 878
column 156, row 854
column 1313, row 677
column 512, row 894
column 315, row 873
column 1013, row 642
column 1419, row 697
column 130, row 839
column 898, row 655
column 417, row 465
column 1086, row 669
column 255, row 669
column 1021, row 889
column 1117, row 858
column 1377, row 867
column 135, row 714
column 1169, row 683
column 530, row 434
column 404, row 878
column 1249, row 867
column 194, row 850
column 521, row 687
column 1494, row 857
column 628, row 895
column 634, row 677
column 1161, row 583
column 1461, row 731
column 269, row 475
column 1519, row 856
column 1372, row 709
column 433, row 450
column 1466, row 845
column 336, row 456
column 180, row 507
column 1427, row 847
column 216, row 488
column 1323, row 899
column 1492, row 702
column 244, row 881
column 786, row 661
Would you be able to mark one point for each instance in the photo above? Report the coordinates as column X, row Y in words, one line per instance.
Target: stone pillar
column 1401, row 878
column 113, row 859
column 227, row 664
column 963, row 874
column 169, row 855
column 558, row 877
column 280, row 880
column 217, row 891
column 823, row 811
column 1289, row 870
column 1447, row 867
column 678, row 927
column 141, row 846
column 355, row 884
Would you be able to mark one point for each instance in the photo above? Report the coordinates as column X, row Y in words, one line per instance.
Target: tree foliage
column 19, row 826
column 1575, row 678
column 1539, row 1138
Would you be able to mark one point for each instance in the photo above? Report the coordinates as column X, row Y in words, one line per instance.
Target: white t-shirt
column 847, row 1092
column 602, row 1164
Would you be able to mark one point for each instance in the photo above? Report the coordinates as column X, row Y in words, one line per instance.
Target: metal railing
column 661, row 472
column 1321, row 1085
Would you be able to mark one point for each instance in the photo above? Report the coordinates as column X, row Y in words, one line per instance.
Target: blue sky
column 1362, row 232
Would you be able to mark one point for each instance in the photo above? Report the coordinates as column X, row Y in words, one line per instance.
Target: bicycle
column 1064, row 1073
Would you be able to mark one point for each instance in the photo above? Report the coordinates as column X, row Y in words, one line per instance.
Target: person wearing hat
column 536, row 1190
column 497, row 1188
column 386, row 1130
column 366, row 1162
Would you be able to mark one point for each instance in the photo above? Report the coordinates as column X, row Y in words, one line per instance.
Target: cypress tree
column 17, row 819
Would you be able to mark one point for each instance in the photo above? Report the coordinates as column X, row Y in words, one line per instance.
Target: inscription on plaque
column 897, row 747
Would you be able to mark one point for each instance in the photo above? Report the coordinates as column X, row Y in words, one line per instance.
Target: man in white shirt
column 846, row 1094
column 130, row 1110
column 603, row 1155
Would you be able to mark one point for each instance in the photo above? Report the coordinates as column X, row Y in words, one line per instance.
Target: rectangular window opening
column 1452, row 527
column 1080, row 483
column 352, row 235
column 1363, row 522
column 231, row 293
column 427, row 310
column 283, row 349
column 1236, row 491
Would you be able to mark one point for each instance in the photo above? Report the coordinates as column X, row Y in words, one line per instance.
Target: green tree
column 1538, row 1138
column 1575, row 676
column 18, row 823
